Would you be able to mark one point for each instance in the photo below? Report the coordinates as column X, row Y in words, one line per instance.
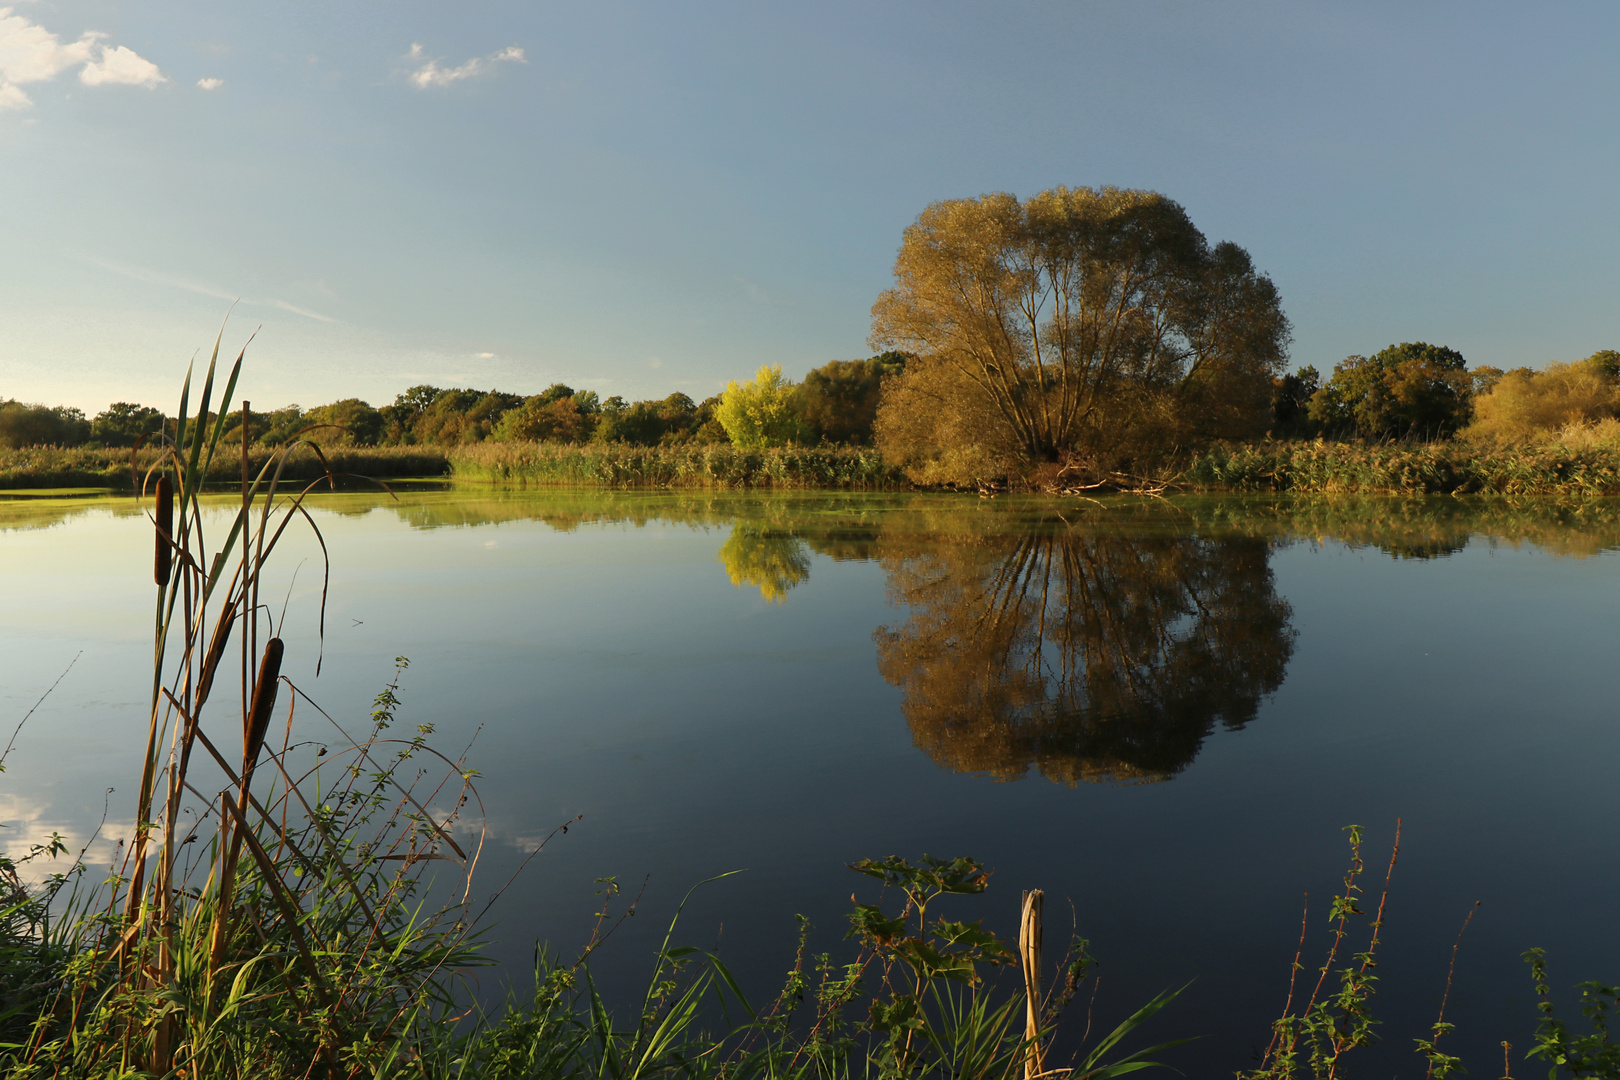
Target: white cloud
column 121, row 66
column 429, row 73
column 158, row 277
column 29, row 53
column 13, row 98
column 210, row 84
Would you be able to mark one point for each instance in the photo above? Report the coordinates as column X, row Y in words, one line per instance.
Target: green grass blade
column 185, row 397
column 202, row 415
column 1090, row 1066
column 225, row 408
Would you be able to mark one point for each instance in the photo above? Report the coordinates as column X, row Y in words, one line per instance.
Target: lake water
column 1160, row 712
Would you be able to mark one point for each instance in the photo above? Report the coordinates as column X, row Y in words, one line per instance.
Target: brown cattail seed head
column 216, row 653
column 163, row 557
column 264, row 700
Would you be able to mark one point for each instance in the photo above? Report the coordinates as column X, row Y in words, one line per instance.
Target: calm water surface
column 1162, row 712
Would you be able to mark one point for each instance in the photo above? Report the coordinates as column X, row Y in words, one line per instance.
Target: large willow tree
column 1076, row 321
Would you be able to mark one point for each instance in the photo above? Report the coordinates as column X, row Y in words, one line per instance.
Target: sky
column 639, row 198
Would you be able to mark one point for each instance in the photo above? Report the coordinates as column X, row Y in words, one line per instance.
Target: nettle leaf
column 899, row 1014
column 960, row 875
column 932, row 963
column 891, row 871
column 971, row 937
column 868, row 921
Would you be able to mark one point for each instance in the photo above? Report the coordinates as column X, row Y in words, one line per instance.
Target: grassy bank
column 1303, row 467
column 1315, row 468
column 1439, row 468
column 57, row 467
column 709, row 465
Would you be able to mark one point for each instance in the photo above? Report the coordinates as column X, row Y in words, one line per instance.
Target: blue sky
column 639, row 198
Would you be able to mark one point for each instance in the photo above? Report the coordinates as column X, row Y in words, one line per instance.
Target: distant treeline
column 1411, row 417
column 1428, row 392
column 835, row 404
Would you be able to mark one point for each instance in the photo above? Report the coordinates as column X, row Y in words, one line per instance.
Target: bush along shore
column 703, row 465
column 110, row 467
column 1396, row 468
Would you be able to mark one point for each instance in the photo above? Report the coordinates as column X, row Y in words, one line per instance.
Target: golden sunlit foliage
column 1077, row 322
column 1525, row 405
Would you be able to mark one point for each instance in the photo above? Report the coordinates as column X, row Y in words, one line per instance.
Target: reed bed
column 1443, row 468
column 111, row 467
column 708, row 465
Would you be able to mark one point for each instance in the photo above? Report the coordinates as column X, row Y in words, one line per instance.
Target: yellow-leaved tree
column 763, row 412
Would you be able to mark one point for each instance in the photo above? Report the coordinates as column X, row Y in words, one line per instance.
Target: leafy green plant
column 932, row 1006
column 1595, row 1054
column 1332, row 1022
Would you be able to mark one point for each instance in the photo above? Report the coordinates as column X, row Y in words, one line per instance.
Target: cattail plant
column 287, row 940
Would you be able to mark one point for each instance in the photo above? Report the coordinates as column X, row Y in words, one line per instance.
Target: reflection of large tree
column 1086, row 656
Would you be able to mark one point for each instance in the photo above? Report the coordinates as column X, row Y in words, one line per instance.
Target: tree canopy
column 1413, row 388
column 839, row 400
column 1074, row 320
column 762, row 412
column 122, row 422
column 1524, row 405
column 38, row 425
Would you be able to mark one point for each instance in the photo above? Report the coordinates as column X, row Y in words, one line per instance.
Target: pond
column 1161, row 712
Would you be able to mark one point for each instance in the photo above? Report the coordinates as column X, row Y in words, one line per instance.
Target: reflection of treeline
column 1097, row 640
column 858, row 525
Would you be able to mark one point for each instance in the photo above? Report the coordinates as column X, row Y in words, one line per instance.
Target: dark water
column 1161, row 713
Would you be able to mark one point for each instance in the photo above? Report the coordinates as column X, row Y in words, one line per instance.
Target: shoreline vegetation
column 111, row 467
column 1561, row 467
